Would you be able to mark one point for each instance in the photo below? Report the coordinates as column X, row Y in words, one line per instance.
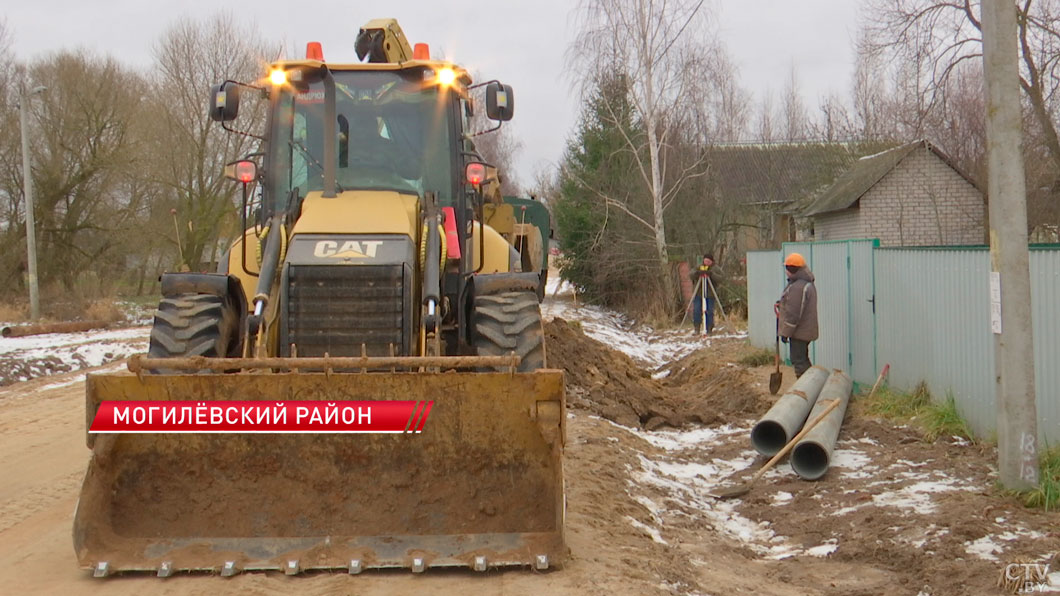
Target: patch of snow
column 987, row 547
column 650, row 531
column 650, row 505
column 642, row 343
column 25, row 358
column 687, row 486
column 877, row 155
column 66, row 383
column 959, row 441
column 906, row 462
column 851, row 459
column 846, row 510
column 984, row 548
column 917, row 497
column 782, row 498
column 662, row 374
column 44, row 345
column 672, row 440
column 556, row 286
column 919, row 537
column 823, row 550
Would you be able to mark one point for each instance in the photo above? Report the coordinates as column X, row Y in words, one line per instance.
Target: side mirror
column 500, row 102
column 224, row 102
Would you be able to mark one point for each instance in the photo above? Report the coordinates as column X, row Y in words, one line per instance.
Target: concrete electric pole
column 27, row 188
column 1010, row 284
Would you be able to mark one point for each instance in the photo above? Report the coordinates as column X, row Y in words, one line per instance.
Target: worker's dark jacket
column 798, row 307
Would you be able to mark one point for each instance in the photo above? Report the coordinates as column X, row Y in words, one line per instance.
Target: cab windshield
column 392, row 134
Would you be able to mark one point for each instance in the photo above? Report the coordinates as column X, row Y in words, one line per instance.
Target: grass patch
column 896, row 405
column 759, row 357
column 1047, row 495
column 943, row 420
column 10, row 312
column 934, row 419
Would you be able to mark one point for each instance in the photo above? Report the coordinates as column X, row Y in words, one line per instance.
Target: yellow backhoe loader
column 365, row 272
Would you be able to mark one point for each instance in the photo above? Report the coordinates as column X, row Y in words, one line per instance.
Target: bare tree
column 767, row 117
column 187, row 150
column 729, row 110
column 10, row 161
column 796, row 118
column 653, row 43
column 939, row 41
column 836, row 123
column 82, row 153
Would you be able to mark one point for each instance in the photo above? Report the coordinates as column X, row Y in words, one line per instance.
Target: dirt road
column 895, row 515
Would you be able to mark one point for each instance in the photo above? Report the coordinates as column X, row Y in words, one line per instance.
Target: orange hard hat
column 794, row 260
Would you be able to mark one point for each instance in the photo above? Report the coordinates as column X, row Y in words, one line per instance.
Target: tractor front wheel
column 508, row 322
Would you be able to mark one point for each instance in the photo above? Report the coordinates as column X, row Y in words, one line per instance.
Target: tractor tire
column 194, row 325
column 508, row 322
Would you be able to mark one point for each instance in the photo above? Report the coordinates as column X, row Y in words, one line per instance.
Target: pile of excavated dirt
column 13, row 370
column 698, row 389
column 727, row 387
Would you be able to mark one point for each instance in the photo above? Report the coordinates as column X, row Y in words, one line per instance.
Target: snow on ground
column 25, row 358
column 991, row 545
column 686, row 474
column 41, row 345
column 648, row 347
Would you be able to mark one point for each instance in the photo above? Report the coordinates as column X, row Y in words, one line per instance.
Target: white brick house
column 911, row 195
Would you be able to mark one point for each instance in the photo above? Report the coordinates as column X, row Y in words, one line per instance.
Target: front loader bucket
column 481, row 486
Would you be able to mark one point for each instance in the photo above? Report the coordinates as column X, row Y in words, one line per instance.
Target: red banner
column 261, row 417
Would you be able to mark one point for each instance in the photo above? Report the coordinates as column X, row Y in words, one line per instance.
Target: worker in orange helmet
column 797, row 312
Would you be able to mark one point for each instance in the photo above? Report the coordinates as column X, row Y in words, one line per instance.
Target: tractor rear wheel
column 508, row 322
column 194, row 325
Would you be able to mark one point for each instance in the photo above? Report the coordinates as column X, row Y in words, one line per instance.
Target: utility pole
column 27, row 189
column 1010, row 287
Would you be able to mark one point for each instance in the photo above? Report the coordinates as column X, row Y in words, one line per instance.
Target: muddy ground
column 895, row 515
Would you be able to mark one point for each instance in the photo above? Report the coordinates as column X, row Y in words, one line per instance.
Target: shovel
column 743, row 489
column 776, row 376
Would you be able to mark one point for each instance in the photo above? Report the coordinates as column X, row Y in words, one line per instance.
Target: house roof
column 865, row 173
column 782, row 173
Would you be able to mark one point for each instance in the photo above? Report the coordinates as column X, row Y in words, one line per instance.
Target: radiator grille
column 335, row 309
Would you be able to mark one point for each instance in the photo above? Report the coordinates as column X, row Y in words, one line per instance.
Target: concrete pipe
column 813, row 454
column 787, row 416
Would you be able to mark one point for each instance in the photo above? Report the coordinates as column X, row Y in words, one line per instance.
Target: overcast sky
column 521, row 42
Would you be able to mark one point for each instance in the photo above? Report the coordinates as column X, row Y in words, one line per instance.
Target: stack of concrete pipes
column 807, row 398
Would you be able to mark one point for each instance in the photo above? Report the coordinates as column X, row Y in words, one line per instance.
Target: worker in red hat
column 797, row 306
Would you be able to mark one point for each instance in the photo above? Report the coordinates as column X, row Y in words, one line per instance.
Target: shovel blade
column 774, row 382
column 731, row 492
